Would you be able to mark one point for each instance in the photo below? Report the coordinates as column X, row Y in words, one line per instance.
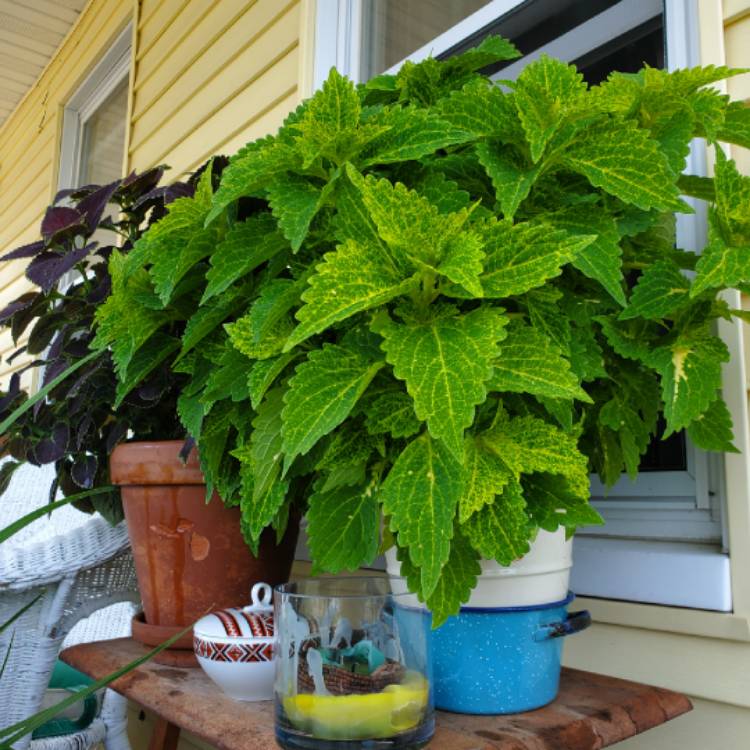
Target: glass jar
column 352, row 667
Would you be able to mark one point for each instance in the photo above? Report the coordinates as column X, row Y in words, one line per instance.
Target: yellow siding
column 211, row 76
column 208, row 77
column 29, row 143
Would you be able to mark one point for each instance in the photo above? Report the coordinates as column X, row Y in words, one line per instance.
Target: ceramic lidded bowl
column 235, row 647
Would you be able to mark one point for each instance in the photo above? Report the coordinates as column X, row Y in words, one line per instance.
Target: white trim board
column 668, row 573
column 111, row 70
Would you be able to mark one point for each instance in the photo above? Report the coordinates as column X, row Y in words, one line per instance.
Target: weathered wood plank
column 592, row 711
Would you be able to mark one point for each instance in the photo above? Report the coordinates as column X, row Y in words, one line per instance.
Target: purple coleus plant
column 76, row 427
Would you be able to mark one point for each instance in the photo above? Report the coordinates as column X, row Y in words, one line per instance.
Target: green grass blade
column 20, row 523
column 7, row 655
column 42, row 392
column 5, row 625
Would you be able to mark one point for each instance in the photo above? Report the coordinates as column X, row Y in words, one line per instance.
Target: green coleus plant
column 433, row 305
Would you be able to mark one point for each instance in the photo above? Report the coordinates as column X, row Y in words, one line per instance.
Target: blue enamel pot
column 500, row 661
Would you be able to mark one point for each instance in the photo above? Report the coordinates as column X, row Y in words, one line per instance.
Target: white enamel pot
column 539, row 577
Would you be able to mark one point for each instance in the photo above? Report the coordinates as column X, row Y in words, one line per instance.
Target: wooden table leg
column 165, row 736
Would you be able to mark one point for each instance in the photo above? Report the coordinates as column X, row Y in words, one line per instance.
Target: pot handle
column 574, row 622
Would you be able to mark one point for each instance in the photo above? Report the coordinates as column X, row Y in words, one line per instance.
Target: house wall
column 206, row 78
column 29, row 145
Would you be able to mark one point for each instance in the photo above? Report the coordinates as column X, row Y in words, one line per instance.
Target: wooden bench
column 591, row 712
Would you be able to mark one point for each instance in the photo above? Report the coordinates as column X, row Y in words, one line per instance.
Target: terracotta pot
column 190, row 557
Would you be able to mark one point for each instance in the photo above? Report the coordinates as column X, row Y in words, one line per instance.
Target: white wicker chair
column 81, row 565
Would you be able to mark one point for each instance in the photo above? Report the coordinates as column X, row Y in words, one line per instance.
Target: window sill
column 672, row 574
column 697, row 622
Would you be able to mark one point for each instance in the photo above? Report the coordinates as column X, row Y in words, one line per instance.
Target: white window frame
column 109, row 73
column 687, row 505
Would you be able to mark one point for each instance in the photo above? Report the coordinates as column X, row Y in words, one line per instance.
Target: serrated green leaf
column 732, row 201
column 736, row 126
column 712, row 430
column 673, row 128
column 121, row 323
column 543, row 92
column 274, row 302
column 457, row 579
column 322, row 393
column 492, row 49
column 484, row 476
column 263, row 374
column 523, row 256
column 686, row 80
column 621, row 159
column 251, row 172
column 690, row 370
column 210, row 316
column 601, row 260
column 500, row 530
column 145, row 360
column 411, row 226
column 709, row 110
column 443, row 193
column 243, row 338
column 720, row 265
column 545, row 315
column 245, row 246
column 191, row 411
column 511, row 177
column 353, row 278
column 294, row 201
column 662, row 289
column 350, row 444
column 223, row 382
column 463, row 262
column 343, row 527
column 257, row 514
column 625, row 340
column 392, row 412
column 529, row 362
column 633, row 432
column 173, row 264
column 168, row 237
column 482, row 109
column 212, row 444
column 528, row 444
column 550, row 503
column 586, row 356
column 445, row 363
column 266, row 456
column 420, row 495
column 412, row 133
column 328, row 127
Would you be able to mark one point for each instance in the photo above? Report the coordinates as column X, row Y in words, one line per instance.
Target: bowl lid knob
column 260, row 597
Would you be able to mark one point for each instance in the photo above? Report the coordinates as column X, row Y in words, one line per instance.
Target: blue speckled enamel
column 487, row 661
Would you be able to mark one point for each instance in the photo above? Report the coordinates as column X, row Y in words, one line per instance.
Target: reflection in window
column 396, row 28
column 103, row 142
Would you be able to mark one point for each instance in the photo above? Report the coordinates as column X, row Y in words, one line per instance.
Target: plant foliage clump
column 439, row 303
column 84, row 417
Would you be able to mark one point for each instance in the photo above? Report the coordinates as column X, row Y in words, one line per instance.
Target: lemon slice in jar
column 395, row 709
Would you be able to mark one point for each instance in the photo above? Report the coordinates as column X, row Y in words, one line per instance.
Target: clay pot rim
column 154, row 462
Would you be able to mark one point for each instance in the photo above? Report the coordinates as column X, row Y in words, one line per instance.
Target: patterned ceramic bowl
column 235, row 647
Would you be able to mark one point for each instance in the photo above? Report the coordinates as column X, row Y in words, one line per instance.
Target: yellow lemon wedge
column 396, row 709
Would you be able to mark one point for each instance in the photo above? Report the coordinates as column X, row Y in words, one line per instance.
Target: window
column 674, row 509
column 95, row 121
